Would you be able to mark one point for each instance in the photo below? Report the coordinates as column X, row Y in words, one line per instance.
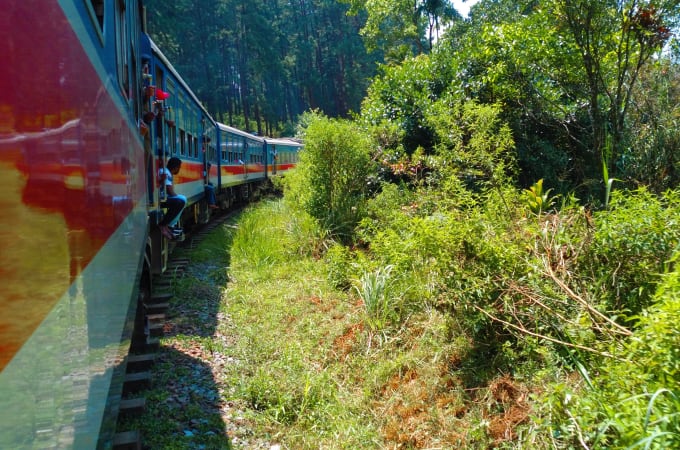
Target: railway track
column 145, row 343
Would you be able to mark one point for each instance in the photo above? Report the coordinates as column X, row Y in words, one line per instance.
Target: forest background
column 509, row 178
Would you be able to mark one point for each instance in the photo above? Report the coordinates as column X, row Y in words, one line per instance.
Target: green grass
column 325, row 368
column 264, row 349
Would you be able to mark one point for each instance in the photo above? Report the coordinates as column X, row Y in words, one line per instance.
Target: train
column 90, row 112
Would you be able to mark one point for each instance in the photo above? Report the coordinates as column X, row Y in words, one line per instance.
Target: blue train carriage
column 178, row 126
column 74, row 229
column 282, row 155
column 242, row 164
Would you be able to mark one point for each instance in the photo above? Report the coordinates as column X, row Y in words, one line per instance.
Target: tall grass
column 287, row 317
column 374, row 290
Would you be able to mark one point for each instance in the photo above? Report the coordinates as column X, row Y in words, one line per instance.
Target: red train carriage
column 89, row 110
column 73, row 227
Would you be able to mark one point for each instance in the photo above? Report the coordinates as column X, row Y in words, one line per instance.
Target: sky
column 463, row 7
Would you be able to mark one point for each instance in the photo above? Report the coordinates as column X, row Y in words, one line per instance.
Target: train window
column 172, row 137
column 195, row 147
column 96, row 10
column 170, row 86
column 180, row 110
column 238, row 145
column 182, row 143
column 122, row 45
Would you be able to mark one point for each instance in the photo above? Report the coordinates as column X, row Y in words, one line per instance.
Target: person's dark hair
column 173, row 163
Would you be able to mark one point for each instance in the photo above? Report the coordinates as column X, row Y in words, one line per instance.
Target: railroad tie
column 127, row 440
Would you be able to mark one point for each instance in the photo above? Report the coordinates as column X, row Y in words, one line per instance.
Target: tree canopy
column 573, row 79
column 259, row 65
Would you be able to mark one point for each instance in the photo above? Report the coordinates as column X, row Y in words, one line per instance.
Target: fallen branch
column 593, row 311
column 541, row 336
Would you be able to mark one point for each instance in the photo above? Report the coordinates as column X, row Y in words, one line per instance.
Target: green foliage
column 565, row 73
column 512, row 56
column 537, row 199
column 258, row 65
column 339, row 266
column 330, row 182
column 403, row 28
column 608, row 183
column 401, row 95
column 635, row 400
column 387, row 208
column 654, row 134
column 281, row 322
column 473, row 142
column 279, row 391
column 615, row 43
column 252, row 242
column 453, row 258
column 375, row 290
column 631, row 247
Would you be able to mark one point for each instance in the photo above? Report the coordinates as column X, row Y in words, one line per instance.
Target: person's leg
column 210, row 194
column 179, row 202
column 175, row 206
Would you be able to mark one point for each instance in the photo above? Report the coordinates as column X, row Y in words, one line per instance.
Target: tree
column 260, row 64
column 400, row 95
column 615, row 40
column 403, row 28
column 564, row 71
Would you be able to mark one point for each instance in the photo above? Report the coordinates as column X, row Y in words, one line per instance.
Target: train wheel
column 203, row 212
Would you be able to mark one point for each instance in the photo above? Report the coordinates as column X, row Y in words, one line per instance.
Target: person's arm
column 170, row 190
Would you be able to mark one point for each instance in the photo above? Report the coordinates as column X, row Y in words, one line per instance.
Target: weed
column 537, row 199
column 374, row 290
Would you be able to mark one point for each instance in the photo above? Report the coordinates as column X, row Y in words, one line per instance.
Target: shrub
column 400, row 95
column 635, row 401
column 338, row 265
column 473, row 142
column 632, row 244
column 331, row 179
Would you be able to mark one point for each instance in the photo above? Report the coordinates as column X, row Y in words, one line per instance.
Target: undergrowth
column 461, row 326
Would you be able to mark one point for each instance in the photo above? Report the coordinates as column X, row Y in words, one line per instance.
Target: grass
column 260, row 349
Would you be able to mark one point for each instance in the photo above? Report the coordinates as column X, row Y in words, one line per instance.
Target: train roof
column 283, row 141
column 159, row 54
column 233, row 130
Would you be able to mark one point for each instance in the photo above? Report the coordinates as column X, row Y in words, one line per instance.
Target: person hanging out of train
column 210, row 190
column 174, row 202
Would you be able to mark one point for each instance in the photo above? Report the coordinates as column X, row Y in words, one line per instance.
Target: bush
column 473, row 142
column 635, row 401
column 338, row 263
column 400, row 95
column 632, row 244
column 330, row 182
